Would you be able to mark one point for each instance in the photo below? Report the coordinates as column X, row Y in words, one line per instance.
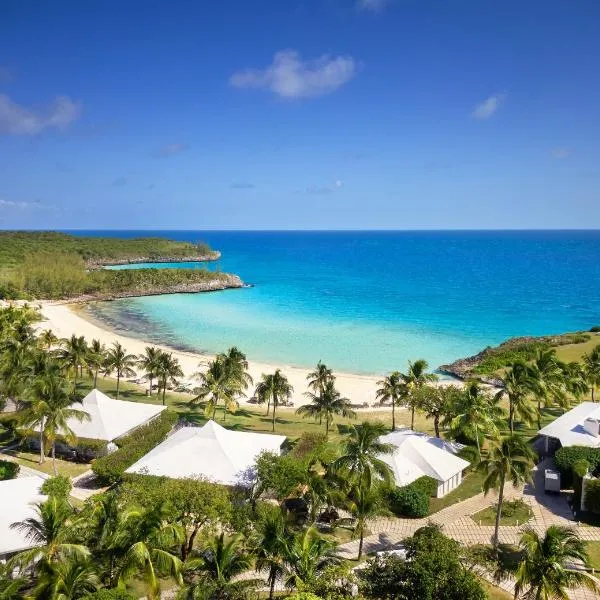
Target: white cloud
column 288, row 76
column 372, row 5
column 171, row 149
column 20, row 120
column 560, row 153
column 339, row 183
column 488, row 107
column 13, row 204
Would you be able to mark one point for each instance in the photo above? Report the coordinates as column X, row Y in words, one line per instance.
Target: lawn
column 514, row 513
column 495, row 593
column 571, row 352
column 471, row 486
column 593, row 550
column 64, row 467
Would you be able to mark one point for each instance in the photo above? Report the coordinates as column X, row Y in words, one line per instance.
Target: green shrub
column 59, row 486
column 427, row 485
column 8, row 469
column 595, row 329
column 304, row 596
column 409, row 501
column 566, row 459
column 112, row 594
column 132, row 447
column 592, row 495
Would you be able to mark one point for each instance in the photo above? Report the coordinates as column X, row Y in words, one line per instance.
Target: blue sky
column 299, row 114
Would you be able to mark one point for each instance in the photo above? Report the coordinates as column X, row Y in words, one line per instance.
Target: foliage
column 59, row 486
column 111, row 594
column 132, row 447
column 427, row 485
column 409, row 501
column 334, row 583
column 304, row 596
column 592, row 495
column 280, row 475
column 567, row 457
column 506, row 354
column 8, row 469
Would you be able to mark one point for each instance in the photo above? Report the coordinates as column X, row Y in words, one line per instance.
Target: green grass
column 593, row 550
column 495, row 593
column 64, row 467
column 471, row 486
column 575, row 352
column 521, row 514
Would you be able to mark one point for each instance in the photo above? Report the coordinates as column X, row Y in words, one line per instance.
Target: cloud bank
column 488, row 107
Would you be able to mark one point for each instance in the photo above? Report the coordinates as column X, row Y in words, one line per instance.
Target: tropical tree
column 15, row 359
column 415, row 378
column 65, row 580
column 392, row 389
column 168, row 370
column 47, row 339
column 549, row 382
column 591, row 363
column 320, row 377
column 224, row 558
column 74, row 355
column 270, row 547
column 575, row 378
column 148, row 363
column 236, row 365
column 216, row 386
column 438, row 402
column 119, row 362
column 509, row 459
column 96, row 358
column 547, row 567
column 274, row 389
column 518, row 384
column 325, row 404
column 363, row 504
column 361, row 460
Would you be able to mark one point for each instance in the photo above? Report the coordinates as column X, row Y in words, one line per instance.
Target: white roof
column 17, row 497
column 109, row 418
column 568, row 428
column 418, row 454
column 221, row 455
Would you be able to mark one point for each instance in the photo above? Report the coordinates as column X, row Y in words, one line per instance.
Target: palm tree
column 224, row 558
column 47, row 339
column 591, row 363
column 519, row 383
column 270, row 546
column 96, row 358
column 476, row 413
column 575, row 378
column 65, row 580
column 236, row 365
column 361, row 459
column 546, row 569
column 509, row 459
column 415, row 378
column 548, row 375
column 117, row 360
column 438, row 402
column 167, row 371
column 326, row 403
column 216, row 386
column 74, row 355
column 274, row 389
column 392, row 389
column 318, row 379
column 148, row 363
column 307, row 556
column 364, row 503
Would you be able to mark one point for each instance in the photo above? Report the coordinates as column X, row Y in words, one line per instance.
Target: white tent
column 17, row 499
column 418, row 454
column 110, row 419
column 579, row 426
column 221, row 455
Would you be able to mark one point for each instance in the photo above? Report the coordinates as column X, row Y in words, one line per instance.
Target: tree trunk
column 54, row 459
column 412, row 418
column 164, row 390
column 360, row 544
column 539, row 413
column 499, row 512
column 268, row 407
column 273, row 577
column 511, row 417
column 393, row 415
column 436, row 425
column 149, row 386
column 42, row 456
column 477, row 440
column 593, row 393
column 274, row 405
column 326, row 427
column 214, row 413
column 118, row 382
column 95, row 377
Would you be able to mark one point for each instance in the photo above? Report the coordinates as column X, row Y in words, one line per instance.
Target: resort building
column 17, row 500
column 579, row 426
column 221, row 455
column 418, row 454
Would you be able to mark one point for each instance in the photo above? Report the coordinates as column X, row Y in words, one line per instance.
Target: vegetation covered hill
column 50, row 265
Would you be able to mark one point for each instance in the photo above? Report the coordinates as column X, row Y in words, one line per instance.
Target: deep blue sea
column 369, row 301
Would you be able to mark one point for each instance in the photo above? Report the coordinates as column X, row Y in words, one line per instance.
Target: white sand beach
column 64, row 322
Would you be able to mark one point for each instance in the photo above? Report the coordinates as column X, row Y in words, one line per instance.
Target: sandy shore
column 65, row 322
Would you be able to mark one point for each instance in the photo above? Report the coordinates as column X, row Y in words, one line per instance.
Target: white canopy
column 17, row 499
column 569, row 428
column 418, row 454
column 109, row 418
column 221, row 455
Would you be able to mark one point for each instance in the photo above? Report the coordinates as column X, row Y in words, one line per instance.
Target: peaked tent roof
column 211, row 451
column 418, row 454
column 109, row 418
column 568, row 428
column 17, row 497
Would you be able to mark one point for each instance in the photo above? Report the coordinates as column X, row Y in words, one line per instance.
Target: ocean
column 367, row 302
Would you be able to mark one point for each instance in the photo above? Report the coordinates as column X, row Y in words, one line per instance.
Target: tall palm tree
column 148, row 363
column 274, row 388
column 65, row 580
column 519, row 383
column 236, row 365
column 361, row 455
column 575, row 378
column 476, row 413
column 326, row 403
column 15, row 362
column 392, row 389
column 364, row 503
column 216, row 386
column 119, row 362
column 546, row 569
column 224, row 558
column 168, row 370
column 320, row 377
column 509, row 459
column 96, row 358
column 415, row 378
column 74, row 355
column 548, row 375
column 591, row 363
column 47, row 339
column 270, row 546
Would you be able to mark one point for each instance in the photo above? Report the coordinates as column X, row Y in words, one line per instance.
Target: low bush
column 567, row 458
column 59, row 487
column 8, row 470
column 592, row 495
column 427, row 485
column 112, row 594
column 595, row 329
column 132, row 447
column 409, row 501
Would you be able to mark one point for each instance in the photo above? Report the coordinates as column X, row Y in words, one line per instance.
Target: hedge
column 592, row 495
column 8, row 469
column 566, row 458
column 132, row 447
column 59, row 486
column 409, row 501
column 427, row 485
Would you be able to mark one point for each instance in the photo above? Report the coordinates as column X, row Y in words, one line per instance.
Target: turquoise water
column 369, row 301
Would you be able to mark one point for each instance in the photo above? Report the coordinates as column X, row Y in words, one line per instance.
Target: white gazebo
column 418, row 454
column 579, row 426
column 221, row 455
column 17, row 500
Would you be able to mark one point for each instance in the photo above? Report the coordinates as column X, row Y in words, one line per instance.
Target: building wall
column 449, row 485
